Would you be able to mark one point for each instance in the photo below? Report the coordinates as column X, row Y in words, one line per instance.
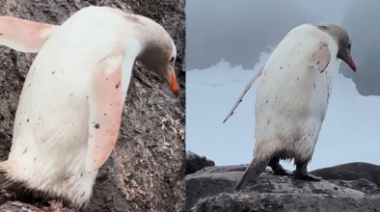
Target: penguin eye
column 349, row 46
column 172, row 60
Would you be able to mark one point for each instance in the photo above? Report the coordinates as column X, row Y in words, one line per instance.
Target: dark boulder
column 351, row 171
column 195, row 162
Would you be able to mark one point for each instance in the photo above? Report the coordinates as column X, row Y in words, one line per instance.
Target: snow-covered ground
column 349, row 133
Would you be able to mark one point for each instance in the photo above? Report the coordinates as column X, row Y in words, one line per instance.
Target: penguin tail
column 255, row 168
column 8, row 173
column 4, row 167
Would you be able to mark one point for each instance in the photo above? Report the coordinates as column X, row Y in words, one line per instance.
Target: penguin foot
column 306, row 176
column 301, row 172
column 282, row 172
column 278, row 169
column 34, row 208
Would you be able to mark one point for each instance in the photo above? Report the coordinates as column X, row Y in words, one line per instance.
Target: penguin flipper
column 240, row 99
column 23, row 35
column 321, row 57
column 106, row 104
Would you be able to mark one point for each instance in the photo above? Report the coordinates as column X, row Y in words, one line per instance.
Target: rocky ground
column 350, row 187
column 146, row 170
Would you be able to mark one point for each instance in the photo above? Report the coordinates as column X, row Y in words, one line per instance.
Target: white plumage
column 68, row 117
column 293, row 97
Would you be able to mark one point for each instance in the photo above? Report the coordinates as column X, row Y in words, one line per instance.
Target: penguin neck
column 148, row 44
column 155, row 42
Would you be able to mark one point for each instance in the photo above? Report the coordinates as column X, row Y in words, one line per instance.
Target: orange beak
column 352, row 65
column 173, row 83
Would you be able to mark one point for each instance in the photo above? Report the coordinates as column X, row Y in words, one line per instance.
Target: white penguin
column 293, row 97
column 69, row 112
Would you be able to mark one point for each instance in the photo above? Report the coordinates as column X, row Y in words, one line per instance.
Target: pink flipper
column 321, row 58
column 23, row 35
column 105, row 105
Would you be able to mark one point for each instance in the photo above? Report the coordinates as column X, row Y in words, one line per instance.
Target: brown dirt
column 146, row 170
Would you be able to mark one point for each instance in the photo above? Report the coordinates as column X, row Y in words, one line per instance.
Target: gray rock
column 213, row 189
